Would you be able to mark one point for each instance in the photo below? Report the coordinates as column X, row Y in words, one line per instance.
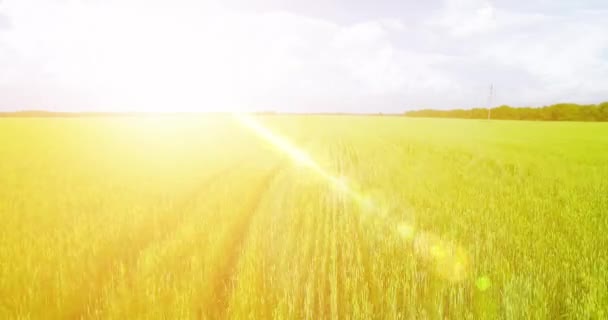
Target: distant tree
column 602, row 112
column 479, row 113
column 504, row 112
column 556, row 112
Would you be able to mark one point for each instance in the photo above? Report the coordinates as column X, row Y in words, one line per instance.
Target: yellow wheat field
column 302, row 217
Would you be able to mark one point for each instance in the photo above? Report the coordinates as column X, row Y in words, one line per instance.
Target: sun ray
column 450, row 261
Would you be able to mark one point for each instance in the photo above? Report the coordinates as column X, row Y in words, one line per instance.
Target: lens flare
column 483, row 283
column 298, row 156
column 406, row 231
column 450, row 262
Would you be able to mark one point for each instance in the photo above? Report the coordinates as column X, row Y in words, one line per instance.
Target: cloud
column 5, row 23
column 179, row 59
column 466, row 17
column 189, row 55
column 563, row 54
column 533, row 58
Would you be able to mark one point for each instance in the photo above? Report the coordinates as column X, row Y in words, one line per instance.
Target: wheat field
column 302, row 217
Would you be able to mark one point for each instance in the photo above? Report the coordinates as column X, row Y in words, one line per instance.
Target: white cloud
column 153, row 58
column 563, row 54
column 534, row 58
column 202, row 56
column 466, row 17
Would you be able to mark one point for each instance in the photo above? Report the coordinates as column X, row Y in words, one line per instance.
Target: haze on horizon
column 299, row 56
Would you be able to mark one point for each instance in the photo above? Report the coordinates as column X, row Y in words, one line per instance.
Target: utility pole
column 490, row 101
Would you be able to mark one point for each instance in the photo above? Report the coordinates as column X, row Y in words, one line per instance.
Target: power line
column 490, row 101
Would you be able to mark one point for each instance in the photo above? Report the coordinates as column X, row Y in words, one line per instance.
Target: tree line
column 556, row 112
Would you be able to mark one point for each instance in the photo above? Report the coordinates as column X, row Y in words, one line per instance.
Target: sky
column 355, row 56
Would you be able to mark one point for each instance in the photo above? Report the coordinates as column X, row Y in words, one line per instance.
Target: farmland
column 302, row 217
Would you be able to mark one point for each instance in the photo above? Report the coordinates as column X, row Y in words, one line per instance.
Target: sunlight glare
column 450, row 262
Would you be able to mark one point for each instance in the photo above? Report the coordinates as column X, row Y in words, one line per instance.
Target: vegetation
column 212, row 217
column 556, row 112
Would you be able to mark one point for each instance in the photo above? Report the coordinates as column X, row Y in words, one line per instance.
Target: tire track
column 305, row 305
column 323, row 270
column 216, row 303
column 364, row 259
column 92, row 291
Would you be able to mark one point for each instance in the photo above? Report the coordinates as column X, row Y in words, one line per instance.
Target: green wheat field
column 302, row 217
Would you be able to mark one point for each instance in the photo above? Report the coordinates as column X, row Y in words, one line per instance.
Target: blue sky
column 299, row 56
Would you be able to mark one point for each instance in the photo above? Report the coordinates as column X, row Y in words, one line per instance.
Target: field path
column 92, row 292
column 216, row 303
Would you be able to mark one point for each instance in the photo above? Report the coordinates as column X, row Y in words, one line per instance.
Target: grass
column 396, row 218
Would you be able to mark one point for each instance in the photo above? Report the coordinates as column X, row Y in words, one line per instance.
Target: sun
column 137, row 64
